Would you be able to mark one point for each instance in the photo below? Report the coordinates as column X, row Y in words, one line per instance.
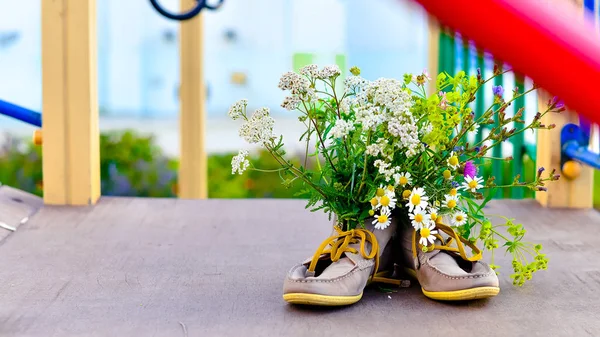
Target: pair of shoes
column 345, row 263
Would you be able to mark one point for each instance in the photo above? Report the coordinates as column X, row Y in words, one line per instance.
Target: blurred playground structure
column 245, row 56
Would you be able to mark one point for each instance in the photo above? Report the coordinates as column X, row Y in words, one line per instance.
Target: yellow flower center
column 390, row 188
column 472, row 184
column 382, row 218
column 419, row 217
column 374, row 202
column 403, row 181
column 453, row 192
column 453, row 160
column 451, row 203
column 433, row 216
column 447, row 174
column 406, row 194
column 415, row 199
column 459, row 218
column 425, row 232
column 380, row 192
column 384, row 201
column 371, row 212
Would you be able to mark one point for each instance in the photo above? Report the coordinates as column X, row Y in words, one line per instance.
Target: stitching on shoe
column 457, row 277
column 339, row 278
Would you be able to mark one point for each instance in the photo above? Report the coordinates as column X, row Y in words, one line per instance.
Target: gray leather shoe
column 443, row 269
column 342, row 267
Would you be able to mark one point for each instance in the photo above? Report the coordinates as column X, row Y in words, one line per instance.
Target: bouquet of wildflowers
column 386, row 148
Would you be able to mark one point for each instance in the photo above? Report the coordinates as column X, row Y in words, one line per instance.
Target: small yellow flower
column 374, row 202
column 453, row 192
column 447, row 174
column 453, row 161
column 391, row 188
column 380, row 192
column 371, row 212
column 406, row 194
column 384, row 201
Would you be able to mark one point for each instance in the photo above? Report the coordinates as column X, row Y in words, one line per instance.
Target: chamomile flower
column 472, row 184
column 433, row 214
column 427, row 234
column 450, row 201
column 453, row 161
column 459, row 218
column 382, row 221
column 417, row 199
column 403, row 179
column 387, row 202
column 419, row 219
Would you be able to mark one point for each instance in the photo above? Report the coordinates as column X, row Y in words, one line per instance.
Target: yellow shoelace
column 339, row 244
column 453, row 237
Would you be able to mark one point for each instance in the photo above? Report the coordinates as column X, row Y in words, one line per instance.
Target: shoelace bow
column 446, row 244
column 339, row 244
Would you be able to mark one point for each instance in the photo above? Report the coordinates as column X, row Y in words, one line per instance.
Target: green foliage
column 133, row 165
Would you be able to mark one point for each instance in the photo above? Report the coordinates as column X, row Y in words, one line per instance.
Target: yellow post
column 434, row 51
column 71, row 165
column 575, row 187
column 193, row 161
column 567, row 192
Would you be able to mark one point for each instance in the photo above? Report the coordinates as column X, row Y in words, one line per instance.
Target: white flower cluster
column 341, row 128
column 293, row 82
column 239, row 163
column 311, row 70
column 291, row 102
column 329, row 72
column 355, row 84
column 258, row 129
column 238, row 109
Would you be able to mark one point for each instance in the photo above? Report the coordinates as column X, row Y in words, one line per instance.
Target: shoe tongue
column 383, row 237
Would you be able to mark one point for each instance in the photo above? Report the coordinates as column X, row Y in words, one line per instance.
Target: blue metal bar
column 581, row 154
column 20, row 113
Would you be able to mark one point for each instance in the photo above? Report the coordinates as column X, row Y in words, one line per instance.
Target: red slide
column 551, row 43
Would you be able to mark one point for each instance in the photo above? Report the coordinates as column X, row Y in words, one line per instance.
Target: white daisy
column 427, row 234
column 387, row 202
column 417, row 199
column 419, row 219
column 403, row 179
column 450, row 201
column 433, row 214
column 453, row 161
column 382, row 221
column 459, row 218
column 472, row 184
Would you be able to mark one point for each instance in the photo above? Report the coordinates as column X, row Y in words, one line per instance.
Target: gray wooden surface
column 156, row 267
column 16, row 207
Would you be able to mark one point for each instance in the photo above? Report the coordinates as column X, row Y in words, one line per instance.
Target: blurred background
column 247, row 46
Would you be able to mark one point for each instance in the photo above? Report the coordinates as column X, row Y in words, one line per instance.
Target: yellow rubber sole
column 322, row 300
column 462, row 295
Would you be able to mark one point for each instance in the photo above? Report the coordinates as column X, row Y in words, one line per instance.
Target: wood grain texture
column 193, row 169
column 71, row 147
column 139, row 267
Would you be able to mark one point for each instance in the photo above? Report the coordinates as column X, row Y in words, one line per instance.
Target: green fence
column 455, row 53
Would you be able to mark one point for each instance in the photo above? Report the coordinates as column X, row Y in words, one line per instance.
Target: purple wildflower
column 470, row 169
column 455, row 184
column 498, row 91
